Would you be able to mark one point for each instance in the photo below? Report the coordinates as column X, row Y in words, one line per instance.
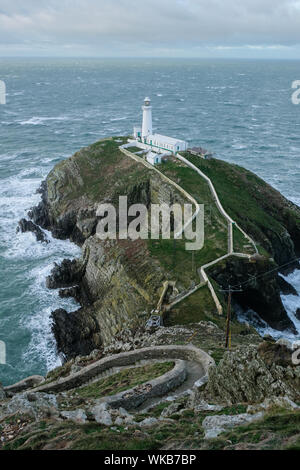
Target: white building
column 153, row 158
column 156, row 143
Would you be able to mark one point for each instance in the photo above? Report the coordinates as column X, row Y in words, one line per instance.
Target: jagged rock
column 37, row 405
column 68, row 273
column 28, row 226
column 129, row 420
column 274, row 402
column 75, row 334
column 198, row 404
column 102, row 414
column 204, row 406
column 251, row 374
column 40, row 213
column 124, row 413
column 215, row 425
column 78, row 416
column 278, row 353
column 148, row 422
column 171, row 409
column 119, row 421
column 297, row 314
column 74, row 292
column 286, row 288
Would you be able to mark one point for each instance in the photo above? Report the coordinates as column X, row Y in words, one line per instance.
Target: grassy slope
column 97, row 172
column 248, row 199
column 106, row 173
column 124, row 380
column 279, row 429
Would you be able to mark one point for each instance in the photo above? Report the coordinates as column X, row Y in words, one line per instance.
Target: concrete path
column 204, row 280
column 195, row 372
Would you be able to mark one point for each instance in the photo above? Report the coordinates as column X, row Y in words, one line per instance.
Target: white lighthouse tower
column 147, row 119
column 155, row 145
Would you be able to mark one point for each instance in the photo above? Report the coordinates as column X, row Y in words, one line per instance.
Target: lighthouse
column 147, row 119
column 156, row 145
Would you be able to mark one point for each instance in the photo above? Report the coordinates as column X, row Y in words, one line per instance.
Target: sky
column 150, row 28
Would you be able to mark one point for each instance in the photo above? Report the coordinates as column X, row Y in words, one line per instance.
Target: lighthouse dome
column 147, row 101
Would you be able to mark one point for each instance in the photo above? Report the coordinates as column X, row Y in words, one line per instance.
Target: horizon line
column 149, row 57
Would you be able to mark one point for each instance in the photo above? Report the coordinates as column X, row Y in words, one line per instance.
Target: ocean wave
column 40, row 121
column 118, row 119
column 42, row 344
column 291, row 304
column 239, row 146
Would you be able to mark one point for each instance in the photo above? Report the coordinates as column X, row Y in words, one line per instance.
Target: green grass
column 124, row 380
column 195, row 308
column 249, row 200
column 134, row 149
column 277, row 430
column 101, row 171
column 105, row 173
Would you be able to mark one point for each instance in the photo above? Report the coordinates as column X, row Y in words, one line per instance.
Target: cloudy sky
column 150, row 28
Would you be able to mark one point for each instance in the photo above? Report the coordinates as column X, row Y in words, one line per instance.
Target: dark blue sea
column 240, row 110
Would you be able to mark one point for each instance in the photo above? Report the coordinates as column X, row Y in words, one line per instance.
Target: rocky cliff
column 118, row 283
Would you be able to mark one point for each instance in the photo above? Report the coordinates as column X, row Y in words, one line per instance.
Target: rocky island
column 175, row 386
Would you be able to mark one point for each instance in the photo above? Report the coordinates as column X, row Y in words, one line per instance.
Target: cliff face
column 118, row 283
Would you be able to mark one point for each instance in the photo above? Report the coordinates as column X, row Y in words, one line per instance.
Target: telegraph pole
column 229, row 291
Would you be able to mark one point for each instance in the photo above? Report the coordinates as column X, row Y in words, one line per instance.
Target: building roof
column 152, row 154
column 165, row 139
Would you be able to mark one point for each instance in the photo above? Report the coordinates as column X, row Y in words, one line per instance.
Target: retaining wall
column 189, row 352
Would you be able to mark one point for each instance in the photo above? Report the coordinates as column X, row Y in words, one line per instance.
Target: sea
column 240, row 110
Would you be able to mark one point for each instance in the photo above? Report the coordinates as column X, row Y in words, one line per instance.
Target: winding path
column 191, row 365
column 204, row 280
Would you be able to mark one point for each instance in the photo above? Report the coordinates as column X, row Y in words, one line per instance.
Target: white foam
column 239, row 146
column 118, row 119
column 39, row 120
column 17, row 195
column 42, row 344
column 291, row 304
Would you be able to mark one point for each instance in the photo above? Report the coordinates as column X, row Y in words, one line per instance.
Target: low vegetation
column 278, row 430
column 124, row 380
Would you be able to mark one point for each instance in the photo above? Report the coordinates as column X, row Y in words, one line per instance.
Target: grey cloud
column 149, row 25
